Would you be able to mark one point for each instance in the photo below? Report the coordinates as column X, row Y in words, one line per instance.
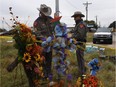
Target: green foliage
column 8, row 53
column 89, row 37
column 2, row 30
column 7, row 48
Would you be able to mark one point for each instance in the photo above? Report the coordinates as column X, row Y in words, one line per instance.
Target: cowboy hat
column 78, row 13
column 45, row 10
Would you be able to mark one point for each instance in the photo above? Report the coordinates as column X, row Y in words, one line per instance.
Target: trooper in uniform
column 43, row 28
column 79, row 34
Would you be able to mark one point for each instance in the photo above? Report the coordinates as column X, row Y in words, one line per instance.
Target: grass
column 17, row 78
column 90, row 36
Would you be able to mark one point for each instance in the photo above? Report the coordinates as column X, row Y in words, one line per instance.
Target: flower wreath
column 29, row 52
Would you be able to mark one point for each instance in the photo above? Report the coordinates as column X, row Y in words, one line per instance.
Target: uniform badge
column 81, row 25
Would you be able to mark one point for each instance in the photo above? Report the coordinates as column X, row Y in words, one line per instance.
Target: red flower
column 90, row 81
column 36, row 49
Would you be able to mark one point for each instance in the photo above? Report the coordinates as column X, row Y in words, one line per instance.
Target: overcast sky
column 105, row 10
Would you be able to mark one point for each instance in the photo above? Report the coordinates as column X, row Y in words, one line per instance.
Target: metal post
column 96, row 19
column 96, row 22
column 3, row 23
column 57, row 8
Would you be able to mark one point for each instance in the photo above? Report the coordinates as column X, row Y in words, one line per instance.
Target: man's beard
column 78, row 21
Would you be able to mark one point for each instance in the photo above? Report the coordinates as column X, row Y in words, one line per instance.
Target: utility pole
column 96, row 21
column 99, row 24
column 86, row 4
column 57, row 8
column 3, row 23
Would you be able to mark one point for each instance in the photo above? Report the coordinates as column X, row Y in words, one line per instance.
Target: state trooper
column 79, row 34
column 44, row 28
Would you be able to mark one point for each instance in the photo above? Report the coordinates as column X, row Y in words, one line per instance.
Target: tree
column 91, row 24
column 2, row 30
column 113, row 25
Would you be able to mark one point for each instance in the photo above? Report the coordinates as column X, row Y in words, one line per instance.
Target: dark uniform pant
column 48, row 63
column 80, row 59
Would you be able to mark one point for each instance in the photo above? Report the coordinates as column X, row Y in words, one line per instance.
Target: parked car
column 93, row 29
column 103, row 35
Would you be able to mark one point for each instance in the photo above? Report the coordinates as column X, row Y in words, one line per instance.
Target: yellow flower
column 33, row 38
column 28, row 35
column 42, row 74
column 27, row 57
column 29, row 47
column 37, row 57
column 40, row 68
column 23, row 25
column 78, row 82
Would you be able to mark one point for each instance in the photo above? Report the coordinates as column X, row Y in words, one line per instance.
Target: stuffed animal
column 95, row 66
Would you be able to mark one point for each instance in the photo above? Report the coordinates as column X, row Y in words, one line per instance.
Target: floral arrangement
column 91, row 81
column 29, row 52
column 88, row 81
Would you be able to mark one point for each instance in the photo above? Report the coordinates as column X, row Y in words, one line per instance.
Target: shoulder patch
column 35, row 23
column 81, row 25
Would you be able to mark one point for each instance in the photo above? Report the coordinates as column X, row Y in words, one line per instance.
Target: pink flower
column 36, row 69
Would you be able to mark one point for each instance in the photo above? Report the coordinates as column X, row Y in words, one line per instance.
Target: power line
column 71, row 4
